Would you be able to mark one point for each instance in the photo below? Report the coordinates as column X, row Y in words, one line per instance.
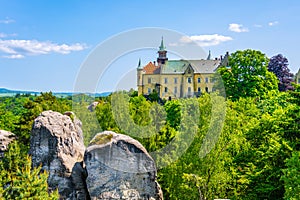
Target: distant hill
column 8, row 92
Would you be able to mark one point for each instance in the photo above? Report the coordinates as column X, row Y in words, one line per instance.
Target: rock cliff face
column 57, row 144
column 119, row 167
column 6, row 137
column 115, row 166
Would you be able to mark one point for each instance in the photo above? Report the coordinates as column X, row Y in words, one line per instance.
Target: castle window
column 175, row 80
column 175, row 90
column 189, row 91
column 149, row 80
column 166, row 80
column 199, row 89
column 166, row 89
column 206, row 80
column 189, row 80
column 298, row 80
column 199, row 80
column 206, row 89
column 149, row 90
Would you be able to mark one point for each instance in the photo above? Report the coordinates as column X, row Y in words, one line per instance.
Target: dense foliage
column 247, row 75
column 279, row 66
column 244, row 147
column 19, row 181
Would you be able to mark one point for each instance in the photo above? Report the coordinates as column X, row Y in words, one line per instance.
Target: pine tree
column 18, row 180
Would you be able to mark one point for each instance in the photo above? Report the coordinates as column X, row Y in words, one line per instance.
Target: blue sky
column 43, row 44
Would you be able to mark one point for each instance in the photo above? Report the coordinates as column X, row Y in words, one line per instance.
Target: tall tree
column 19, row 181
column 247, row 75
column 279, row 66
column 291, row 177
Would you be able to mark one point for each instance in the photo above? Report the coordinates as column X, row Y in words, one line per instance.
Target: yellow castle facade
column 173, row 79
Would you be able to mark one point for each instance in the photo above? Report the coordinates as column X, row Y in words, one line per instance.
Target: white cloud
column 7, row 21
column 238, row 28
column 203, row 40
column 18, row 48
column 14, row 56
column 273, row 23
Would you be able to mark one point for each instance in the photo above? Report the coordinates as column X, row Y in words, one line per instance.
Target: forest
column 240, row 142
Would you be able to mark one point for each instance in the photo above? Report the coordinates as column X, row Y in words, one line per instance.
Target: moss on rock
column 101, row 138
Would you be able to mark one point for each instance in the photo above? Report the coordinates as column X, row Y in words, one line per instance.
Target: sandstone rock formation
column 56, row 143
column 114, row 166
column 119, row 167
column 6, row 137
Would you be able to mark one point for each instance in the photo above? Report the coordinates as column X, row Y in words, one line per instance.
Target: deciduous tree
column 247, row 75
column 279, row 66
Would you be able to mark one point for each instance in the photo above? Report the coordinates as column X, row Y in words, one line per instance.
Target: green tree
column 173, row 113
column 247, row 75
column 19, row 181
column 291, row 177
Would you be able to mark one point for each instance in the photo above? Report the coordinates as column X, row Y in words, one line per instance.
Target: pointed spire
column 139, row 65
column 162, row 47
column 209, row 56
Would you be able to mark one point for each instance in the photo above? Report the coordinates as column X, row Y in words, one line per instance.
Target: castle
column 173, row 79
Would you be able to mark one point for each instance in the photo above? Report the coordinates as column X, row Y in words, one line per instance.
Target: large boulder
column 56, row 143
column 119, row 167
column 6, row 137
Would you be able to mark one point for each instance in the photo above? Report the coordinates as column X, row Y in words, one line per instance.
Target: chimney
column 221, row 57
column 154, row 62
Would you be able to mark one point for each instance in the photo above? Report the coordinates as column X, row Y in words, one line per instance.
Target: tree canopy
column 247, row 75
column 251, row 141
column 279, row 66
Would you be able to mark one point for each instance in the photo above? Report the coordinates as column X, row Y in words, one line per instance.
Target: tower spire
column 162, row 46
column 209, row 56
column 139, row 65
column 162, row 53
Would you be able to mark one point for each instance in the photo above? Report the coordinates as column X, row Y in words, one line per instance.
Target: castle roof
column 150, row 68
column 199, row 66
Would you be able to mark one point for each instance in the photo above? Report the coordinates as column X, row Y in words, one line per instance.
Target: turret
column 209, row 56
column 162, row 53
column 139, row 73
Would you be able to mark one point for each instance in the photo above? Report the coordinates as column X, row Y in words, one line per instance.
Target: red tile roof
column 150, row 68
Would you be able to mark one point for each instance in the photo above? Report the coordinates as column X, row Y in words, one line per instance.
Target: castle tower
column 162, row 53
column 140, row 78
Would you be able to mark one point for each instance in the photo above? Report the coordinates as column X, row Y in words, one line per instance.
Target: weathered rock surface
column 57, row 144
column 93, row 106
column 115, row 166
column 6, row 137
column 119, row 167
